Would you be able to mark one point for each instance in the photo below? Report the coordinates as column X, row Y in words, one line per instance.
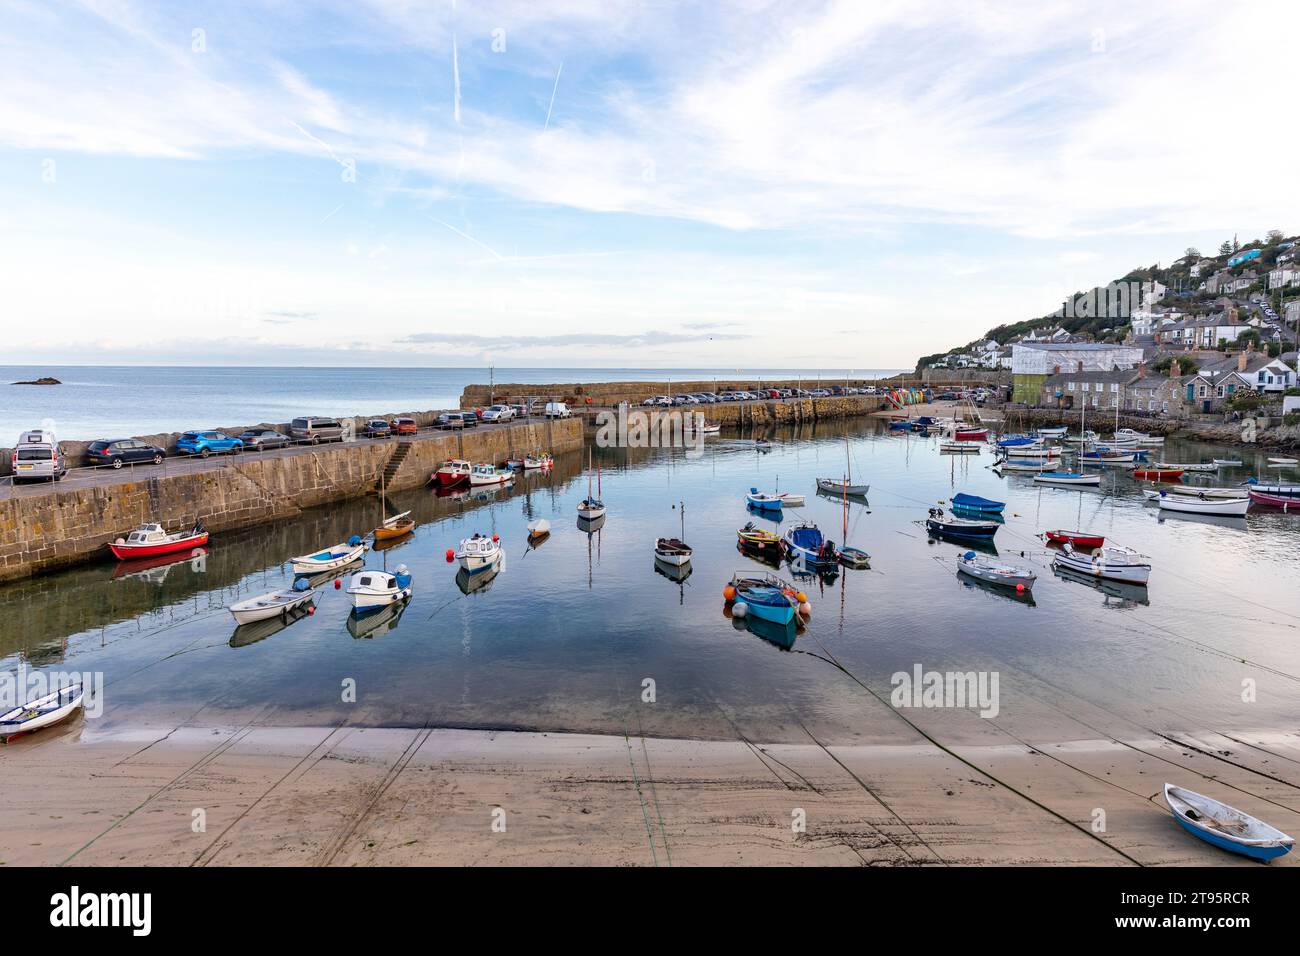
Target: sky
column 797, row 185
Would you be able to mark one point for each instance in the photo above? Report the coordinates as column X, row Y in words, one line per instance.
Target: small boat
column 1195, row 466
column 791, row 500
column 1203, row 504
column 897, row 426
column 453, row 471
column 674, row 551
column 331, row 558
column 279, row 603
column 1157, row 474
column 479, row 553
column 1112, row 562
column 842, row 486
column 995, row 572
column 1066, row 478
column 591, row 507
column 949, row 527
column 1228, row 462
column 1153, row 494
column 805, row 544
column 1277, row 490
column 710, row 428
column 515, row 464
column 150, row 540
column 852, row 557
column 372, row 590
column 970, row 434
column 958, row 448
column 1086, row 438
column 539, row 460
column 765, row 596
column 484, row 474
column 1284, row 461
column 1077, row 538
column 976, row 503
column 1107, row 458
column 1026, row 464
column 1031, row 451
column 751, row 538
column 1018, row 441
column 42, row 712
column 1138, row 438
column 1053, row 432
column 1226, row 827
column 538, row 528
column 763, row 501
column 1274, row 501
column 395, row 527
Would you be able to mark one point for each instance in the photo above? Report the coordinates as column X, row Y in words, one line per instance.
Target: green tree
column 1192, row 252
column 1225, row 248
column 1275, row 236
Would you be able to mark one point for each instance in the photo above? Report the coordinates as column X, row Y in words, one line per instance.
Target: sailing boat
column 674, row 551
column 591, row 507
column 395, row 526
column 851, row 557
column 843, row 485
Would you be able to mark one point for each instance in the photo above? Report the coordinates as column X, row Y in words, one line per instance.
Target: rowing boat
column 1112, row 562
column 331, row 558
column 1203, row 504
column 1226, row 827
column 976, row 503
column 1195, row 466
column 278, row 603
column 42, row 712
column 1079, row 539
column 995, row 572
column 1158, row 474
column 1275, row 501
column 1066, row 478
column 763, row 501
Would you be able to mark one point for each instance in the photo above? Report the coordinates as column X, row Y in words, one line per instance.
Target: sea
column 117, row 401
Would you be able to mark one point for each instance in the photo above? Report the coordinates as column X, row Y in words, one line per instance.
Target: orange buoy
column 803, row 598
column 729, row 593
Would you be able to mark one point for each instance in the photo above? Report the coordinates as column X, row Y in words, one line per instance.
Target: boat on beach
column 42, row 712
column 1113, row 562
column 372, row 590
column 150, row 541
column 1064, row 478
column 452, row 472
column 331, row 558
column 1226, row 827
column 996, row 572
column 279, row 603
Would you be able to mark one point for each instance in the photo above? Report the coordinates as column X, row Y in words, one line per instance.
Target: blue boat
column 765, row 598
column 1016, row 441
column 900, row 426
column 976, row 503
column 1226, row 827
column 762, row 501
column 963, row 529
column 804, row 544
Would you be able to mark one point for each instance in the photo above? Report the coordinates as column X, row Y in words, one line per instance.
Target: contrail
column 553, row 89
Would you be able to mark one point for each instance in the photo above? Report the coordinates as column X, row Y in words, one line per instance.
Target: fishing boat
column 950, row 527
column 150, row 540
column 763, row 501
column 41, row 712
column 1226, row 827
column 486, row 474
column 1201, row 466
column 674, row 551
column 1112, row 562
column 805, row 544
column 958, row 448
column 995, row 572
column 1228, row 462
column 970, row 434
column 1157, row 474
column 764, row 543
column 372, row 590
column 331, row 558
column 1079, row 539
column 1026, row 464
column 1284, row 461
column 279, row 603
column 479, row 553
column 591, row 507
column 1064, row 478
column 1275, row 501
column 538, row 528
column 538, row 460
column 452, row 472
column 1153, row 494
column 976, row 503
column 1203, row 504
column 765, row 596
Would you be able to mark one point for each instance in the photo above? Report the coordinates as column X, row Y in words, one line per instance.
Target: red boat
column 1275, row 501
column 150, row 540
column 454, row 471
column 1157, row 474
column 972, row 434
column 1076, row 538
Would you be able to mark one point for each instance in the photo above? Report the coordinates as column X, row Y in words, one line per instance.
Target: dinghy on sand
column 1226, row 827
column 42, row 712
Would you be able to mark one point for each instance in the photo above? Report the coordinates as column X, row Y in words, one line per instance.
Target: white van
column 38, row 455
column 558, row 410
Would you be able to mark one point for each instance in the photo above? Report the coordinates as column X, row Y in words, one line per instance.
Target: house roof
column 1069, row 346
column 1062, row 378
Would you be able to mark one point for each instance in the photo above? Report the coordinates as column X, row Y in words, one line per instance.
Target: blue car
column 204, row 444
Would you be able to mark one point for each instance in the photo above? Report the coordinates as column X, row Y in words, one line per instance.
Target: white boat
column 1085, row 438
column 483, row 474
column 533, row 462
column 479, row 553
column 278, row 603
column 1137, row 438
column 995, row 572
column 1175, row 466
column 1228, row 462
column 1066, row 478
column 331, row 558
column 42, row 712
column 674, row 552
column 763, row 501
column 1203, row 504
column 841, row 486
column 1054, row 432
column 1111, row 562
column 372, row 590
column 1153, row 494
column 591, row 507
column 1026, row 464
column 710, row 428
column 1284, row 461
column 791, row 500
column 538, row 528
column 949, row 447
column 1226, row 827
column 1031, row 451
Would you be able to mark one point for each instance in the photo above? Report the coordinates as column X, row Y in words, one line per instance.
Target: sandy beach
column 349, row 797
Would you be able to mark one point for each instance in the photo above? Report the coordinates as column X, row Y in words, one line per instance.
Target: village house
column 1099, row 390
column 1262, row 373
column 1033, row 362
column 1284, row 275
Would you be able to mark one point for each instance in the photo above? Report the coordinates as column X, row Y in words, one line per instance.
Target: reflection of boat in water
column 246, row 634
column 590, row 525
column 477, row 583
column 673, row 572
column 780, row 635
column 1236, row 522
column 155, row 569
column 1001, row 590
column 325, row 577
column 377, row 623
column 1127, row 594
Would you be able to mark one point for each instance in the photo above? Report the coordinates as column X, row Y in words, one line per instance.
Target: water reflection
column 246, row 634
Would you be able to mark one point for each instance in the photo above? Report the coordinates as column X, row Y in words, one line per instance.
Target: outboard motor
column 354, row 540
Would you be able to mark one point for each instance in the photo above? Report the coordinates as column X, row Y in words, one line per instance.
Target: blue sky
column 817, row 185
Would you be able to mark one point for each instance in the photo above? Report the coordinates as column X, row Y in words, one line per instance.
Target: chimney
column 1142, row 369
column 1175, row 370
column 1241, row 360
column 1080, row 365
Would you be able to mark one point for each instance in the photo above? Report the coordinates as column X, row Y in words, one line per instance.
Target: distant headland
column 41, row 381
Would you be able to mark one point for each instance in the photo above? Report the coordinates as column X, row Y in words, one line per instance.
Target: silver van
column 38, row 455
column 316, row 430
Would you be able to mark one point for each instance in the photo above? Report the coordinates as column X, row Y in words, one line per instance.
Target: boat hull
column 51, row 709
column 1063, row 478
column 1076, row 538
column 1022, row 580
column 1125, row 573
column 1275, row 501
column 312, row 564
column 1204, row 506
column 837, row 487
column 269, row 605
column 127, row 552
column 971, row 532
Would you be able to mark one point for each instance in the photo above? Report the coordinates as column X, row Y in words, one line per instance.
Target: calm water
column 102, row 402
column 565, row 635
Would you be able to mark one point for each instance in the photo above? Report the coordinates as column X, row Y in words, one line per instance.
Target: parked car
column 405, row 426
column 450, row 420
column 558, row 410
column 316, row 430
column 204, row 444
column 377, row 428
column 116, row 452
column 498, row 413
column 470, row 417
column 38, row 454
column 263, row 439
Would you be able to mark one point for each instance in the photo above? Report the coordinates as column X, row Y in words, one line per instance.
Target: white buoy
column 739, row 609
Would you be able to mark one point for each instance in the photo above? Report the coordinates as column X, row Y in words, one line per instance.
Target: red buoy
column 451, row 554
column 496, row 538
column 337, row 584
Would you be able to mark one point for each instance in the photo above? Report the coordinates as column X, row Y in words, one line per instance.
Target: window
column 1219, row 391
column 1164, row 407
column 1114, row 386
column 1151, row 405
column 1087, row 386
column 1202, row 391
column 1072, row 386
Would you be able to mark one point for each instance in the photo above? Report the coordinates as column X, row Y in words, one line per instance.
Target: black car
column 260, row 439
column 116, row 452
column 377, row 428
column 470, row 418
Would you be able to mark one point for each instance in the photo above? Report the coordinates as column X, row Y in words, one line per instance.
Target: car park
column 38, row 454
column 405, row 426
column 204, row 444
column 263, row 439
column 316, row 430
column 116, row 452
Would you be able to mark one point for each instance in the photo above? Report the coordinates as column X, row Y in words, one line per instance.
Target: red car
column 404, row 426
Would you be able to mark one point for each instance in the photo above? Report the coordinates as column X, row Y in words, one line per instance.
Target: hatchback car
column 451, row 420
column 498, row 413
column 405, row 426
column 116, row 452
column 377, row 428
column 204, row 444
column 263, row 439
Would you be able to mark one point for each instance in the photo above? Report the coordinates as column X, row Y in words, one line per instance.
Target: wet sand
column 348, row 797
